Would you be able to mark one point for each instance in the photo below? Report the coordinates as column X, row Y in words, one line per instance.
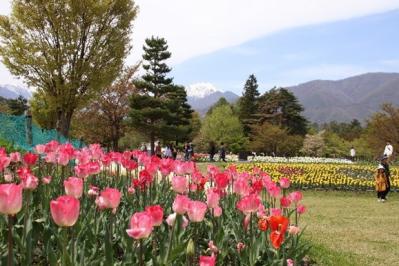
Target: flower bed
column 327, row 176
column 62, row 206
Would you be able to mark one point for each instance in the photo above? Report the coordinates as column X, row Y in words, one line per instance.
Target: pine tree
column 158, row 108
column 248, row 103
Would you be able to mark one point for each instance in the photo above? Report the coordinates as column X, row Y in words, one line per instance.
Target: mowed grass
column 349, row 228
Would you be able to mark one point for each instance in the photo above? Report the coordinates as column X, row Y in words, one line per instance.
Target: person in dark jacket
column 212, row 151
column 222, row 152
column 385, row 164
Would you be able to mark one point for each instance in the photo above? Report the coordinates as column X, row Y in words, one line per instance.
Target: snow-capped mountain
column 201, row 96
column 200, row 90
column 13, row 92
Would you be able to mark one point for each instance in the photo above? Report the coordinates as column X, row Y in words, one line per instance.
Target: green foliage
column 9, row 146
column 347, row 131
column 18, row 106
column 68, row 50
column 43, row 112
column 159, row 108
column 271, row 139
column 222, row 126
column 335, row 146
column 313, row 145
column 281, row 107
column 222, row 101
column 248, row 103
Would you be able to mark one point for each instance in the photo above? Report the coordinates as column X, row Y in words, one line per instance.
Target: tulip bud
column 190, row 251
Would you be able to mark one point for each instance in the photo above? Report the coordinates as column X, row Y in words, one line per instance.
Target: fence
column 14, row 130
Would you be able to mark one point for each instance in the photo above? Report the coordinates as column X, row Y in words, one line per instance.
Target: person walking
column 352, row 153
column 388, row 151
column 385, row 164
column 222, row 152
column 186, row 152
column 380, row 183
column 158, row 150
column 212, row 151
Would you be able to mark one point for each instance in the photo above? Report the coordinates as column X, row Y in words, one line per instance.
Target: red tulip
column 74, row 187
column 156, row 213
column 180, row 184
column 207, row 261
column 262, row 224
column 285, row 202
column 181, row 204
column 278, row 227
column 141, row 225
column 249, row 204
column 65, row 210
column 30, row 158
column 301, row 209
column 196, row 211
column 109, row 199
column 10, row 199
column 221, row 180
column 277, row 238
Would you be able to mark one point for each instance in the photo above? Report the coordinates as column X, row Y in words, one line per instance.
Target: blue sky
column 324, row 51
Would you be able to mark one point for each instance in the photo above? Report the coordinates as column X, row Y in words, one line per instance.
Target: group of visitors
column 213, row 151
column 382, row 179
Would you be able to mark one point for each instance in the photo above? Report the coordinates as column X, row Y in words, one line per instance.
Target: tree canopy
column 248, row 103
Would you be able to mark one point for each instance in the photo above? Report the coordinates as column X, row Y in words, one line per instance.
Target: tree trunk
column 152, row 143
column 64, row 123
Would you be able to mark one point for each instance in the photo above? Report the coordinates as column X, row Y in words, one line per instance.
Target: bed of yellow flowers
column 325, row 176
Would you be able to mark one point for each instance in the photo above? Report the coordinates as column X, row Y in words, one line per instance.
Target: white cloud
column 194, row 27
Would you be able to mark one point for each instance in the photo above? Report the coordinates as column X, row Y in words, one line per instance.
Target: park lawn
column 349, row 228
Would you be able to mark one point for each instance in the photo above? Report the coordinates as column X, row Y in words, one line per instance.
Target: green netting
column 13, row 129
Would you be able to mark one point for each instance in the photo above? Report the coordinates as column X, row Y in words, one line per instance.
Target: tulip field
column 349, row 177
column 65, row 206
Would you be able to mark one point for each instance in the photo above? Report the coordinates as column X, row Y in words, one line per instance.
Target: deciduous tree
column 69, row 50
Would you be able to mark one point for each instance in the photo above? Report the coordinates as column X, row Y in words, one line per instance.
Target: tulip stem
column 10, row 261
column 141, row 253
column 171, row 240
column 27, row 225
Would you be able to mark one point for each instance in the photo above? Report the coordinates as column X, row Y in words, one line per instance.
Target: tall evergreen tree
column 248, row 103
column 281, row 107
column 158, row 107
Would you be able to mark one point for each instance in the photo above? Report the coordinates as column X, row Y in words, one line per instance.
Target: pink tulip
column 293, row 230
column 15, row 157
column 51, row 146
column 274, row 190
column 180, row 184
column 261, row 211
column 4, row 162
column 275, row 212
column 131, row 190
column 141, row 225
column 196, row 211
column 74, row 187
column 93, row 191
column 241, row 186
column 295, row 196
column 47, row 180
column 65, row 210
column 212, row 198
column 8, row 178
column 185, row 222
column 63, row 158
column 246, row 221
column 156, row 213
column 285, row 182
column 249, row 204
column 212, row 247
column 40, row 149
column 171, row 219
column 207, row 261
column 10, row 199
column 180, row 168
column 51, row 157
column 290, row 262
column 109, row 199
column 29, row 182
column 30, row 158
column 301, row 209
column 181, row 204
column 217, row 212
column 240, row 246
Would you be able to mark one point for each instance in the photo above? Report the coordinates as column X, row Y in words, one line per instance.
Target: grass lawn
column 348, row 228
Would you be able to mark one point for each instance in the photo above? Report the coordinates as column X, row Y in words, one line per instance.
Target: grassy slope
column 352, row 228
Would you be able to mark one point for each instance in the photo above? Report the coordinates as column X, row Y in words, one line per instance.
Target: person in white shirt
column 353, row 153
column 388, row 151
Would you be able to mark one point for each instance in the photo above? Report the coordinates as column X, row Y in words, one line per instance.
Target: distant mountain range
column 343, row 100
column 13, row 92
